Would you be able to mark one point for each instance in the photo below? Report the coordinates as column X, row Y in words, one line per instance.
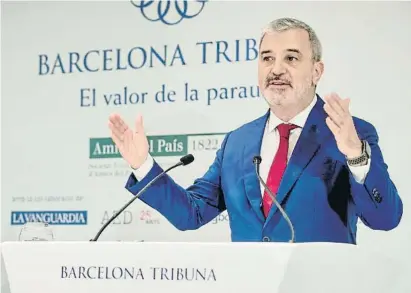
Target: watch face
column 366, row 149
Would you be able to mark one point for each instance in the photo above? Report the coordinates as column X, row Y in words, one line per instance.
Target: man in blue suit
column 324, row 166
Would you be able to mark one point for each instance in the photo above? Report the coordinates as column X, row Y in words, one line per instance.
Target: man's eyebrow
column 294, row 51
column 288, row 50
column 266, row 52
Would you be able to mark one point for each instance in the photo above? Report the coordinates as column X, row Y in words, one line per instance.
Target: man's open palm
column 133, row 145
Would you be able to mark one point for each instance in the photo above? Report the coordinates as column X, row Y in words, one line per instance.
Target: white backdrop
column 55, row 152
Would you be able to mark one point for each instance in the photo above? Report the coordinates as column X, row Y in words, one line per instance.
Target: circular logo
column 169, row 12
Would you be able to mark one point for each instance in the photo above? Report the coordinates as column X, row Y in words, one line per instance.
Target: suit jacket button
column 376, row 195
column 377, row 198
column 266, row 239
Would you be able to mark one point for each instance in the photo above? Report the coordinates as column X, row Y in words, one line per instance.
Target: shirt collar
column 298, row 120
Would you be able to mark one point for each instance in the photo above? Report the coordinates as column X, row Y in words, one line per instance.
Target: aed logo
column 220, row 218
column 125, row 218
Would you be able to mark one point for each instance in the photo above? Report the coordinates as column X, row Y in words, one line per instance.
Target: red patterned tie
column 278, row 166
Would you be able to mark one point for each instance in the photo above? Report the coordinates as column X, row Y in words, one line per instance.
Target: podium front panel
column 195, row 267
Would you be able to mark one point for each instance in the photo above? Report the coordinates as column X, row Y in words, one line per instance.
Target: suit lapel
column 307, row 146
column 253, row 140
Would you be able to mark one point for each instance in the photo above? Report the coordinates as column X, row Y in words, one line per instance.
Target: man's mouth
column 278, row 83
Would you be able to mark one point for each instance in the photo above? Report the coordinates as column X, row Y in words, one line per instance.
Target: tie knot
column 284, row 129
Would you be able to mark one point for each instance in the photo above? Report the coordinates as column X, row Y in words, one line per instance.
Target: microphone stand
column 257, row 161
column 183, row 161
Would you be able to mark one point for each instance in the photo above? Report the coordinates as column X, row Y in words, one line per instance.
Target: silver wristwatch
column 362, row 159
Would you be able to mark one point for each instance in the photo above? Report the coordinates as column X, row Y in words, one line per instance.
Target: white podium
column 85, row 267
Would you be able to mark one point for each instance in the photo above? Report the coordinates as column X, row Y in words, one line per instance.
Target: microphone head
column 257, row 160
column 187, row 159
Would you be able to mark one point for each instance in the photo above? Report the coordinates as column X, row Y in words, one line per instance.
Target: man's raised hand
column 132, row 145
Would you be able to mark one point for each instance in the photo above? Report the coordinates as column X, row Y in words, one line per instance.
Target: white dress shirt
column 270, row 144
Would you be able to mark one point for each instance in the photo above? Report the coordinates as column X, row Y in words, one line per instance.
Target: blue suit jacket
column 318, row 192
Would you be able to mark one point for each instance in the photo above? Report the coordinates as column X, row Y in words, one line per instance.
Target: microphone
column 256, row 162
column 187, row 159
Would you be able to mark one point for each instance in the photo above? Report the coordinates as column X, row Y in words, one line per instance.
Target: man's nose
column 278, row 68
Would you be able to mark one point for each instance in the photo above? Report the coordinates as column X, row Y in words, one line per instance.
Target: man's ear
column 318, row 71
